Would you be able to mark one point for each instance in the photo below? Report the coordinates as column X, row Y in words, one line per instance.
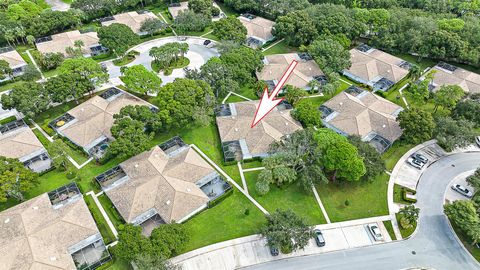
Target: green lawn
column 44, row 118
column 111, row 211
column 212, row 37
column 289, row 197
column 194, row 33
column 225, row 221
column 394, row 153
column 317, row 101
column 227, row 10
column 366, row 199
column 252, row 164
column 388, row 225
column 102, row 225
column 280, row 47
column 8, row 86
column 467, row 242
column 234, row 98
column 397, row 195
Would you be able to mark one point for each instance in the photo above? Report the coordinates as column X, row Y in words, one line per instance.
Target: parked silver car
column 375, row 231
column 463, row 190
column 415, row 163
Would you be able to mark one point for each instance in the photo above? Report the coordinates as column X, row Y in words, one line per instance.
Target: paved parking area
column 252, row 250
column 408, row 176
column 451, row 195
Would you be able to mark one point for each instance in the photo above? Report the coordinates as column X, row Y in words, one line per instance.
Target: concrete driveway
column 198, row 55
column 452, row 195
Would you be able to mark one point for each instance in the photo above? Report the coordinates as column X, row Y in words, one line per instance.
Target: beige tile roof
column 174, row 11
column 360, row 116
column 276, row 65
column 131, row 19
column 375, row 64
column 61, row 41
column 19, row 143
column 13, row 59
column 258, row 27
column 94, row 118
column 34, row 235
column 275, row 125
column 469, row 81
column 164, row 183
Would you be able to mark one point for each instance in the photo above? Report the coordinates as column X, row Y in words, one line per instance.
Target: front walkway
column 251, row 250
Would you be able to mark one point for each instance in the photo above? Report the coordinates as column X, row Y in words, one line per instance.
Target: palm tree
column 415, row 72
column 409, row 215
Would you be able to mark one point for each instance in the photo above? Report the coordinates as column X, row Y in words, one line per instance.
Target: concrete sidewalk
column 251, row 250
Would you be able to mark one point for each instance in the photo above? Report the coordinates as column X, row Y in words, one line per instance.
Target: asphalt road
column 432, row 246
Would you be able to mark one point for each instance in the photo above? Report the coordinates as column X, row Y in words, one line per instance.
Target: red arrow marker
column 267, row 103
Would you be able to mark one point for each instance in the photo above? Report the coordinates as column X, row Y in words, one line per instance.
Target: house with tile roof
column 19, row 142
column 132, row 19
column 306, row 70
column 259, row 30
column 169, row 183
column 376, row 68
column 175, row 8
column 14, row 60
column 88, row 125
column 58, row 43
column 52, row 231
column 446, row 74
column 240, row 141
column 356, row 111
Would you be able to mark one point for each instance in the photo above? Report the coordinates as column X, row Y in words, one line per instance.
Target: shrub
column 347, row 202
column 246, row 212
column 71, row 175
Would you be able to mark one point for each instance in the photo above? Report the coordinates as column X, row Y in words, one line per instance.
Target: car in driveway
column 375, row 231
column 421, row 158
column 415, row 163
column 274, row 251
column 319, row 238
column 463, row 190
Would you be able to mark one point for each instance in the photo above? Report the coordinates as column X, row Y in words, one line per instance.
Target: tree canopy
column 15, row 179
column 417, row 125
column 464, row 215
column 372, row 159
column 230, row 28
column 29, row 98
column 117, row 38
column 307, row 113
column 187, row 20
column 451, row 133
column 330, row 55
column 141, row 80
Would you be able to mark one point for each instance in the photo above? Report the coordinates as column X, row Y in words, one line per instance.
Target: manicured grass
column 388, row 225
column 124, row 60
column 180, row 63
column 292, row 197
column 111, row 211
column 212, row 37
column 78, row 155
column 227, row 10
column 51, row 73
column 252, row 164
column 9, row 86
column 248, row 91
column 194, row 33
column 397, row 195
column 22, row 50
column 423, row 63
column 234, row 98
column 317, row 101
column 167, row 16
column 44, row 118
column 225, row 221
column 280, row 47
column 467, row 242
column 394, row 153
column 366, row 198
column 405, row 232
column 67, row 1
column 102, row 225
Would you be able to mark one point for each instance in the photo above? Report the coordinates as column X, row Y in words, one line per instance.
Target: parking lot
column 452, row 195
column 252, row 250
column 408, row 176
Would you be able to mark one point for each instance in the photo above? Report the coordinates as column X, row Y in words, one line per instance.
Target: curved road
column 433, row 245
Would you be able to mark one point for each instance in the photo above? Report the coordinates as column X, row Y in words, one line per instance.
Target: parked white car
column 477, row 140
column 375, row 231
column 463, row 190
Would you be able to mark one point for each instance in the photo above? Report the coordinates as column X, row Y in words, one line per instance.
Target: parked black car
column 319, row 238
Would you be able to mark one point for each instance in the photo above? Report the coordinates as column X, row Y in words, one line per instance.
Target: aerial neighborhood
column 233, row 134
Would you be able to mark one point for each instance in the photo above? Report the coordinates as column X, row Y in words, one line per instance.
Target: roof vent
column 233, row 117
column 136, row 165
column 82, row 109
column 156, row 155
column 35, row 208
column 7, row 220
column 188, row 190
column 236, row 129
column 341, row 103
column 384, row 126
column 168, row 202
column 53, row 258
column 286, row 123
column 309, row 68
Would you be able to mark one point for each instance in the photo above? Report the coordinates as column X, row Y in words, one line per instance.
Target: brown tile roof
column 19, row 143
column 469, row 81
column 275, row 125
column 374, row 64
column 164, row 183
column 61, row 41
column 276, row 65
column 94, row 118
column 131, row 19
column 258, row 27
column 34, row 235
column 361, row 116
column 13, row 59
column 174, row 11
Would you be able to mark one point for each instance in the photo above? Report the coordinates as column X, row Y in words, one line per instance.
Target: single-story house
column 14, row 60
column 132, row 19
column 58, row 43
column 18, row 141
column 88, row 125
column 175, row 8
column 446, row 74
column 169, row 183
column 376, row 68
column 240, row 141
column 306, row 70
column 259, row 30
column 356, row 111
column 52, row 231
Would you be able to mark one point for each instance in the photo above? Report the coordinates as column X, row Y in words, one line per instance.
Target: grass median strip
column 102, row 225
